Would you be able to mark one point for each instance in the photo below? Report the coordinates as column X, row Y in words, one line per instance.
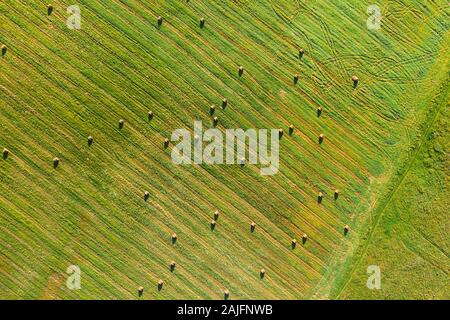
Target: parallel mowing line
column 139, row 178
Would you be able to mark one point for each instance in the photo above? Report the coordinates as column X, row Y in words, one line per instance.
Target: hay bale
column 224, row 103
column 242, row 161
column 304, row 238
column 262, row 273
column 291, row 129
column 49, row 9
column 336, row 194
column 321, row 138
column 280, row 133
column 90, row 140
column 174, row 238
column 212, row 109
column 160, row 20
column 320, row 197
column 216, row 215
column 140, row 291
column 215, row 121
column 241, row 71
column 202, row 22
column 56, row 162
column 346, row 229
column 252, row 227
column 4, row 50
column 166, row 143
column 226, row 294
column 5, row 153
column 160, row 284
column 172, row 266
column 146, row 195
column 293, row 243
column 121, row 123
column 355, row 81
column 296, row 77
column 213, row 224
column 319, row 111
column 150, row 115
column 301, row 52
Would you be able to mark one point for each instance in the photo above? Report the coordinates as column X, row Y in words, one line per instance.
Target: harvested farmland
column 363, row 166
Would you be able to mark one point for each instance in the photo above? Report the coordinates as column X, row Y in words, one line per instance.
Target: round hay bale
column 321, row 138
column 320, row 197
column 121, row 123
column 5, row 153
column 294, row 243
column 166, row 143
column 242, row 161
column 241, row 70
column 140, row 291
column 172, row 266
column 212, row 109
column 296, row 77
column 280, row 133
column 56, row 162
column 49, row 9
column 301, row 52
column 319, row 111
column 160, row 284
column 213, row 224
column 355, row 81
column 346, row 229
column 4, row 50
column 174, row 238
column 252, row 227
column 224, row 103
column 304, row 238
column 160, row 20
column 150, row 115
column 146, row 195
column 202, row 22
column 216, row 215
column 291, row 129
column 215, row 121
column 226, row 294
column 90, row 140
column 262, row 273
column 336, row 194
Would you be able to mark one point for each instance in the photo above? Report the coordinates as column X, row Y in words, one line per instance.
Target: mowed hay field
column 60, row 86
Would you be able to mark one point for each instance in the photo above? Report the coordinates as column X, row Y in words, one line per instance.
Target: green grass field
column 385, row 149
